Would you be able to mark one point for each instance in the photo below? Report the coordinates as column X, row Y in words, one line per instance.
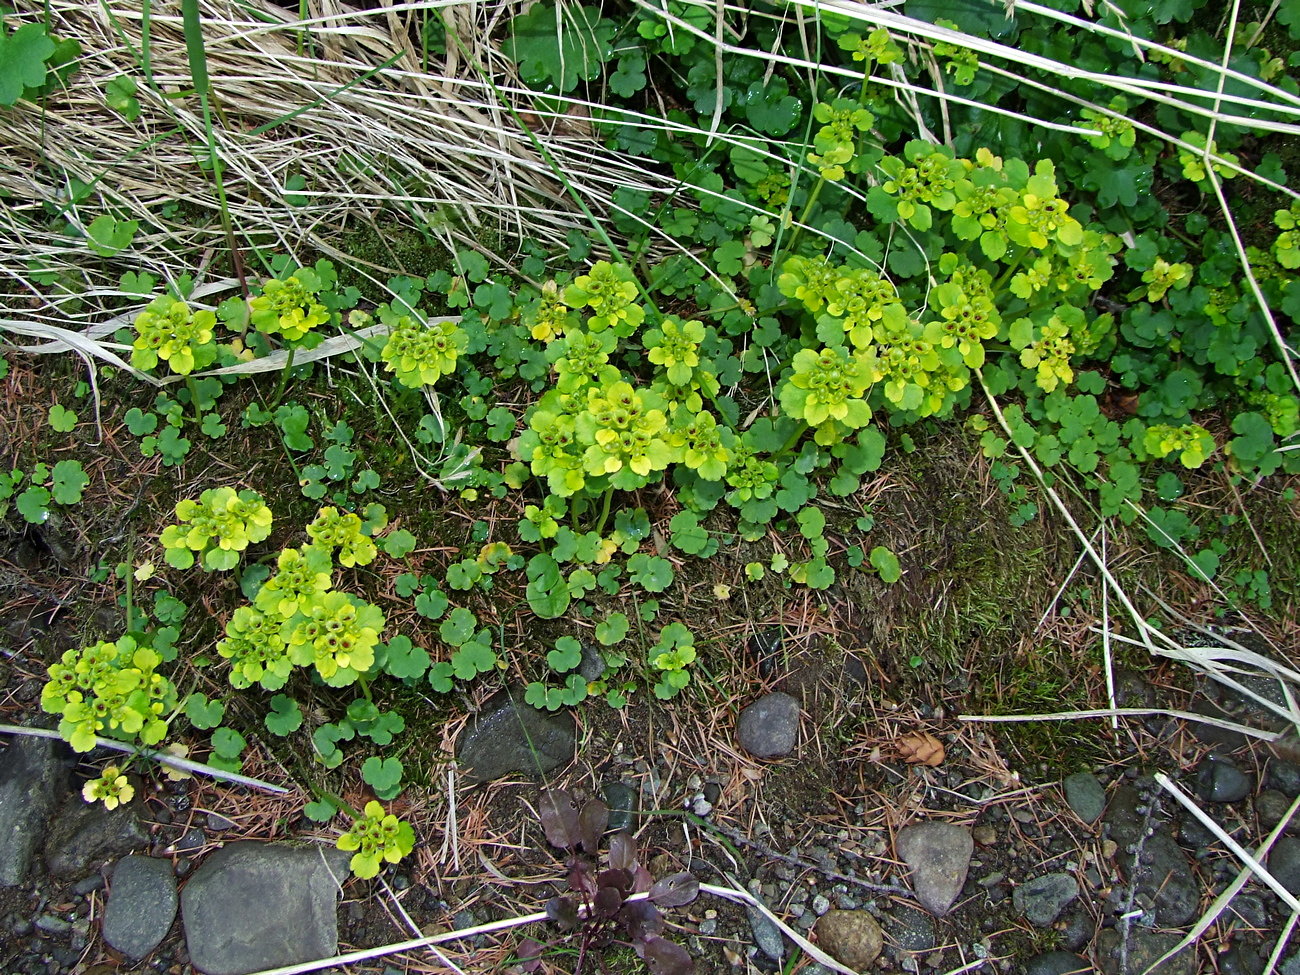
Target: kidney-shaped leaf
column 559, row 818
column 675, row 890
column 618, row 879
column 593, row 820
column 606, row 902
column 622, row 850
column 642, row 920
column 563, row 911
column 664, row 957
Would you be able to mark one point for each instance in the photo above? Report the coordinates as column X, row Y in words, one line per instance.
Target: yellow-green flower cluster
column 169, row 330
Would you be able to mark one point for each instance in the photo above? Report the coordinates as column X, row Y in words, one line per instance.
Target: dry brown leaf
column 920, row 748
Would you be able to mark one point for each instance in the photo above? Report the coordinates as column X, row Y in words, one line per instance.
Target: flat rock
column 510, row 736
column 939, row 855
column 1142, row 950
column 1165, row 875
column 1043, row 899
column 769, row 727
column 621, row 800
column 1057, row 963
column 32, row 780
column 254, row 906
column 767, row 936
column 141, row 905
column 1218, row 780
column 83, row 835
column 852, row 938
column 911, row 930
column 1085, row 796
column 1125, row 817
column 1284, row 863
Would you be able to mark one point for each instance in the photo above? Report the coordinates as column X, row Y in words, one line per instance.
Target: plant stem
column 604, row 510
column 284, row 379
column 194, row 398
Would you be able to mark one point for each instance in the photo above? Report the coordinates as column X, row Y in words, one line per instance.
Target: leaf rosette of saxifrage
column 332, row 529
column 257, row 651
column 547, row 317
column 675, row 347
column 110, row 689
column 609, row 291
column 625, row 433
column 169, row 330
column 825, row 390
column 582, row 358
column 377, row 837
column 219, row 525
column 810, row 280
column 1040, row 217
column 337, row 634
column 420, row 352
column 550, row 445
column 1191, row 442
column 706, row 447
column 750, row 477
column 303, row 575
column 290, row 306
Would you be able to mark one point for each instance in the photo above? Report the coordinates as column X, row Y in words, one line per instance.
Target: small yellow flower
column 112, row 788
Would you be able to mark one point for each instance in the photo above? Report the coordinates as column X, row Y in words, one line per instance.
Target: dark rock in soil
column 1056, row 963
column 1042, row 900
column 1085, row 795
column 769, row 727
column 764, row 650
column 1218, row 780
column 32, row 780
column 1142, row 950
column 911, row 930
column 1284, row 863
column 253, row 906
column 1284, row 777
column 1125, row 816
column 141, row 905
column 767, row 935
column 510, row 736
column 84, row 835
column 938, row 855
column 621, row 800
column 1165, row 875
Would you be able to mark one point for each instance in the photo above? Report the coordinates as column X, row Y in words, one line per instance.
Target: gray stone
column 509, row 736
column 1043, row 899
column 592, row 666
column 1271, row 807
column 53, row 924
column 84, row 835
column 1218, row 780
column 769, row 727
column 621, row 799
column 141, row 905
column 1239, row 960
column 767, row 935
column 252, row 906
column 911, row 930
column 938, row 855
column 1125, row 818
column 1165, row 875
column 765, row 649
column 1284, row 777
column 1056, row 963
column 1284, row 863
column 852, row 938
column 32, row 780
column 1142, row 950
column 1085, row 795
